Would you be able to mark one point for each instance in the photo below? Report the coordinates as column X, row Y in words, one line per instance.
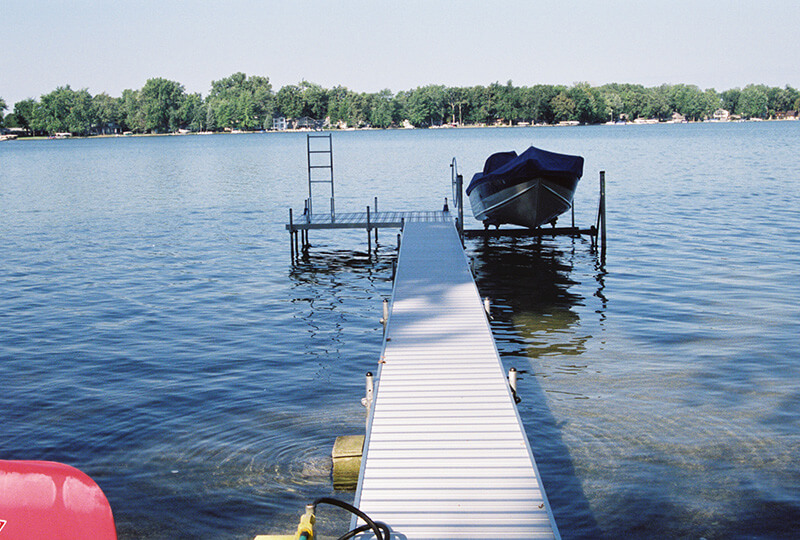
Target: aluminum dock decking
column 446, row 455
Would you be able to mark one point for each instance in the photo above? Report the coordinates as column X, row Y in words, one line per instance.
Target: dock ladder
column 320, row 167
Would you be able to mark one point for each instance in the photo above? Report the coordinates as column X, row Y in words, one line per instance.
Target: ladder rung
column 320, row 166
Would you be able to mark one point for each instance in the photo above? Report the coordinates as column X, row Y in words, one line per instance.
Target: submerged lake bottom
column 157, row 336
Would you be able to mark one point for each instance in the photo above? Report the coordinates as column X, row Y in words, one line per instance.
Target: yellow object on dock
column 305, row 530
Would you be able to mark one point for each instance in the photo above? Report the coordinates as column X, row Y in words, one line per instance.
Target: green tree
column 782, row 100
column 687, row 100
column 315, row 100
column 427, row 105
column 613, row 103
column 161, row 101
column 106, row 111
column 3, row 107
column 457, row 100
column 505, row 102
column 193, row 112
column 537, row 103
column 63, row 110
column 131, row 112
column 563, row 107
column 658, row 103
column 382, row 109
column 23, row 112
column 590, row 106
column 730, row 100
column 289, row 101
column 754, row 102
column 240, row 102
column 80, row 117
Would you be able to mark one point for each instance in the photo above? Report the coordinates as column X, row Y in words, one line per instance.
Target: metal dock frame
column 446, row 454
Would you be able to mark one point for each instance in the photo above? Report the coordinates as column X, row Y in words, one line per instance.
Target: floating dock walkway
column 445, row 454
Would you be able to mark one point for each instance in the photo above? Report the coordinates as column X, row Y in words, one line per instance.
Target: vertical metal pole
column 460, row 202
column 603, row 211
column 385, row 319
column 573, row 213
column 369, row 233
column 308, row 155
column 330, row 149
column 512, row 379
column 376, row 228
column 512, row 383
column 291, row 234
column 369, row 391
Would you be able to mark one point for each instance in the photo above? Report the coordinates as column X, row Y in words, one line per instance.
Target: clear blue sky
column 107, row 46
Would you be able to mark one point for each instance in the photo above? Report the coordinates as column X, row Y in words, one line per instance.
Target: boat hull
column 529, row 203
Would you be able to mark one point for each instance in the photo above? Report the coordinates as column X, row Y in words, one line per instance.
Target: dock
column 445, row 453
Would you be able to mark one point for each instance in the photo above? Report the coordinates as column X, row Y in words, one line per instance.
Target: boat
column 529, row 189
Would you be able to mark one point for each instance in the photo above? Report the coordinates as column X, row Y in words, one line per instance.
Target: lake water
column 155, row 334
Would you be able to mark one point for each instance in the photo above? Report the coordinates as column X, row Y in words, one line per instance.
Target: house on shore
column 279, row 123
column 721, row 115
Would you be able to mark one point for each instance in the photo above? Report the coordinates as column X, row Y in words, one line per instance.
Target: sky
column 369, row 45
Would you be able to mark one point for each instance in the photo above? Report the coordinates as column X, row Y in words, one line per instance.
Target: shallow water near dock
column 156, row 335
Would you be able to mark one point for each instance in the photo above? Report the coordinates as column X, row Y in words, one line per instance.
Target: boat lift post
column 601, row 217
column 457, row 182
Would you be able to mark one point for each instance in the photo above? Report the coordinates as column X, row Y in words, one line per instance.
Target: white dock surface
column 446, row 455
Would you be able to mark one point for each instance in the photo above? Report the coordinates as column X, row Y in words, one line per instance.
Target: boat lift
column 596, row 232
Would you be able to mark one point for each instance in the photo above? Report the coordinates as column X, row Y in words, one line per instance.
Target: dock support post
column 512, row 383
column 385, row 318
column 573, row 213
column 291, row 234
column 376, row 228
column 369, row 234
column 366, row 401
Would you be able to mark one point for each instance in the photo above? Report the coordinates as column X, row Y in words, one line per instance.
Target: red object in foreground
column 43, row 499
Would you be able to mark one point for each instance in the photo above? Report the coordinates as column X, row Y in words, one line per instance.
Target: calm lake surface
column 154, row 333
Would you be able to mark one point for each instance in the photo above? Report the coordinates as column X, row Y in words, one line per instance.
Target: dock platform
column 363, row 220
column 446, row 454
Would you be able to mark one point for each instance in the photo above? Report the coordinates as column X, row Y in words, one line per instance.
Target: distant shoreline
column 335, row 130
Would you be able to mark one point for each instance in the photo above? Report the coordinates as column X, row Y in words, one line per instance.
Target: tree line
column 241, row 102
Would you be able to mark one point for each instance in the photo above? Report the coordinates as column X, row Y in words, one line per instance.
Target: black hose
column 373, row 525
column 363, row 528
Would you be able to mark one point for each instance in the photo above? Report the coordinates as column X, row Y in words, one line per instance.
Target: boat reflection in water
column 536, row 302
column 529, row 189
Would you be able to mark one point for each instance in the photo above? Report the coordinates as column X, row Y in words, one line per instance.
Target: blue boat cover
column 531, row 163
